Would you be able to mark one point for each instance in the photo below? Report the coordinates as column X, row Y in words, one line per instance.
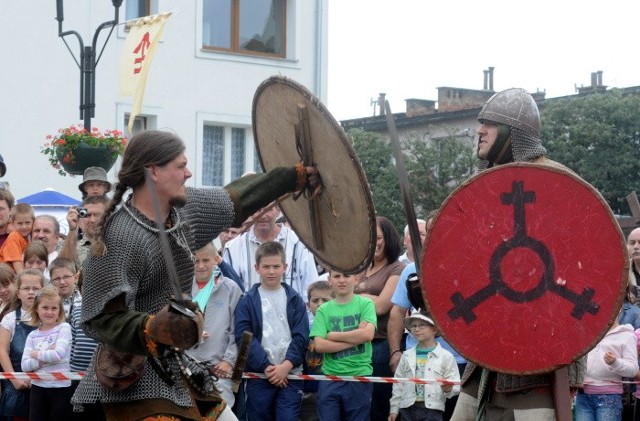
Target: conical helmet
column 515, row 108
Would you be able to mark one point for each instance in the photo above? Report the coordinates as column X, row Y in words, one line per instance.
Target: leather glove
column 174, row 328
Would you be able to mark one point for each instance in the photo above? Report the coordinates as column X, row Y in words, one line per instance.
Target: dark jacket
column 248, row 317
column 229, row 272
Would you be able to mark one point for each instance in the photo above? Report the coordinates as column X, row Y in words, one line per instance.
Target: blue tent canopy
column 49, row 197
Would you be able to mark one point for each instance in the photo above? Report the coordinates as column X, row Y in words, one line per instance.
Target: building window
column 139, row 124
column 237, row 152
column 135, row 9
column 255, row 27
column 213, row 156
column 257, row 167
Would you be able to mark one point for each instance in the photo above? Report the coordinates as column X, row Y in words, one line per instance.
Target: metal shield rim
column 340, row 134
column 623, row 274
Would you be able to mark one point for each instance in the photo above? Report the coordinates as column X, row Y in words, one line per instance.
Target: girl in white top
column 47, row 350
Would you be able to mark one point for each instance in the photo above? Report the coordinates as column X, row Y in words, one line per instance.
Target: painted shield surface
column 339, row 225
column 524, row 268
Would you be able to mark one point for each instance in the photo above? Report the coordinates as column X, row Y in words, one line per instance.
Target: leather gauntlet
column 174, row 328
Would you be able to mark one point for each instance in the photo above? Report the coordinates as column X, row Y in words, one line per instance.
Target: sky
column 409, row 48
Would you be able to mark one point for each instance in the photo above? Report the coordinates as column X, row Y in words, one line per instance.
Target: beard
column 178, row 201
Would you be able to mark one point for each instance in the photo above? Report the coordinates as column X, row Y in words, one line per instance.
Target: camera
column 83, row 212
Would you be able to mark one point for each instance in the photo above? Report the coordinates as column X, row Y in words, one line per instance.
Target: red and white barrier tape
column 73, row 375
column 361, row 379
column 32, row 375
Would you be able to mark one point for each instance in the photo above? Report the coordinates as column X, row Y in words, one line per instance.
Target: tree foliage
column 597, row 136
column 435, row 169
column 377, row 162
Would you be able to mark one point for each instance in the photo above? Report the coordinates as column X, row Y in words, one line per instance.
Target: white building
column 201, row 84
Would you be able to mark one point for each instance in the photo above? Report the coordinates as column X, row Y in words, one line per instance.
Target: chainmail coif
column 525, row 147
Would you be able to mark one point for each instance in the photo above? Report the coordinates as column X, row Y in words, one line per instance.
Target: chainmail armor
column 134, row 265
column 510, row 383
column 525, row 146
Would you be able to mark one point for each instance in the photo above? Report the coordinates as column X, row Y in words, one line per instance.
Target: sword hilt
column 181, row 307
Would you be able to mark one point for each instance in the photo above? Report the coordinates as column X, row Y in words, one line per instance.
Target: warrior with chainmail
column 509, row 132
column 139, row 371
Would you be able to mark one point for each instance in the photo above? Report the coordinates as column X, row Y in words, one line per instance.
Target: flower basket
column 74, row 149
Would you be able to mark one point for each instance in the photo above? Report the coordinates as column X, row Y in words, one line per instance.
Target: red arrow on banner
column 140, row 49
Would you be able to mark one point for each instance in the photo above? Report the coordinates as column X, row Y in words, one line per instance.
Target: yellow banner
column 139, row 49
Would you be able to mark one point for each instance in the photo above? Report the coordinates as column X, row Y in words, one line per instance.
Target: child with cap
column 429, row 361
column 94, row 182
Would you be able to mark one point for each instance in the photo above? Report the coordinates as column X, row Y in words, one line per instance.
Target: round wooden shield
column 524, row 268
column 289, row 124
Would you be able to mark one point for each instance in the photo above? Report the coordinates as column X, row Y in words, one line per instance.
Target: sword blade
column 409, row 210
column 164, row 246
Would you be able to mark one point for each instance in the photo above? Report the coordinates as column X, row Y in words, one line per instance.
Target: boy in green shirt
column 342, row 330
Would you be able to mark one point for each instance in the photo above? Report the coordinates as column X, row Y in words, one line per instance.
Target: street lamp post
column 88, row 61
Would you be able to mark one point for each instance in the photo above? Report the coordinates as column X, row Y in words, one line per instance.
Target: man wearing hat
column 94, row 182
column 427, row 360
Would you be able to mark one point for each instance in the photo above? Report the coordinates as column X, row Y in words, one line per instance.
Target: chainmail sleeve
column 208, row 211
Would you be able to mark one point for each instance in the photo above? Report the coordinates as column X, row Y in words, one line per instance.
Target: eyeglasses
column 34, row 289
column 61, row 278
column 418, row 326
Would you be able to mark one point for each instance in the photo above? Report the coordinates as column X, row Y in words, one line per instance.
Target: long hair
column 150, row 147
column 392, row 243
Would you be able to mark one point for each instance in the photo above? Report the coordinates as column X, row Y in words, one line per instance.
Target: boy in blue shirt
column 277, row 317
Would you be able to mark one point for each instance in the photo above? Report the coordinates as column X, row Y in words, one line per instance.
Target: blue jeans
column 345, row 401
column 266, row 402
column 381, row 391
column 598, row 407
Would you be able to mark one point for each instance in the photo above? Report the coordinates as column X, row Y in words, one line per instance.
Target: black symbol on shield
column 463, row 307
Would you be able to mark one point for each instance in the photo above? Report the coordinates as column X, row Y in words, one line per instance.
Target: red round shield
column 524, row 268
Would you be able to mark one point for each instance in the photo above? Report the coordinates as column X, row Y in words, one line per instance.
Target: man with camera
column 87, row 219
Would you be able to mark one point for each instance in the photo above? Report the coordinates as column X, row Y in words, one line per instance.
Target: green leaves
column 597, row 136
column 435, row 168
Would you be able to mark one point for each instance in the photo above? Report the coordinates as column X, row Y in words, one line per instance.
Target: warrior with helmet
column 509, row 132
